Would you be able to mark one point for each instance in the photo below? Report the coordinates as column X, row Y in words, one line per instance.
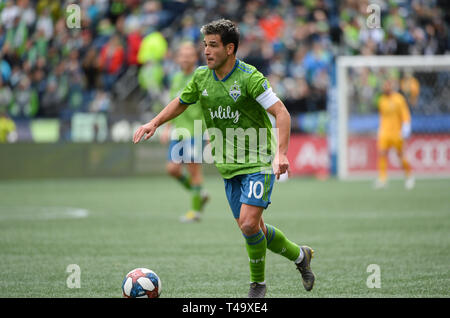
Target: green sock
column 185, row 181
column 278, row 243
column 196, row 198
column 256, row 248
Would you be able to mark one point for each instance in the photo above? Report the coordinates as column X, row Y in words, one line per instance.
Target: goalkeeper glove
column 406, row 130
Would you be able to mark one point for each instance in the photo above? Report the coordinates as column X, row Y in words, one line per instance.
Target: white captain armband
column 267, row 99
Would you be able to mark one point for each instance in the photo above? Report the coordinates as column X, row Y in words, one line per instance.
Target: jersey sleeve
column 190, row 94
column 259, row 89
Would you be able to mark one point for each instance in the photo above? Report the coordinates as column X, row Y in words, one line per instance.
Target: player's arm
column 260, row 89
column 172, row 110
column 283, row 123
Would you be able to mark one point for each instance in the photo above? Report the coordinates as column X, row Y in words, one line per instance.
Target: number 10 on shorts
column 256, row 189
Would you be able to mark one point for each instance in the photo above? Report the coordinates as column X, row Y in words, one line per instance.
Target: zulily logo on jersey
column 225, row 113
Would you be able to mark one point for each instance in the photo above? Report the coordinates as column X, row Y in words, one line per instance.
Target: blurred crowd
column 49, row 69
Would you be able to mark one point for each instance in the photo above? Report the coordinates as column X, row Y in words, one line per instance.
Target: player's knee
column 248, row 227
column 173, row 169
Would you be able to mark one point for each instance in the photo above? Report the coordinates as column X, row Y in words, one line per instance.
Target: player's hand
column 280, row 165
column 145, row 131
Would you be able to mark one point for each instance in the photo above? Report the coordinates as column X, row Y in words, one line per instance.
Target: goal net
column 425, row 83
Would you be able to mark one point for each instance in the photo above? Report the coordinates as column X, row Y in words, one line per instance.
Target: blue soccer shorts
column 252, row 189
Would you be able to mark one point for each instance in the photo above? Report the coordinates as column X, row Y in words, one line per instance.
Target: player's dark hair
column 227, row 30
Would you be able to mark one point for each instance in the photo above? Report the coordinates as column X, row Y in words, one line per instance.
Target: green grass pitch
column 110, row 226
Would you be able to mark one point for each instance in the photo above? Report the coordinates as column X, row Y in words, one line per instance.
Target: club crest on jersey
column 235, row 91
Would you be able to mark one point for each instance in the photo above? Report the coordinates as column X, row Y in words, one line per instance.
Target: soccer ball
column 141, row 283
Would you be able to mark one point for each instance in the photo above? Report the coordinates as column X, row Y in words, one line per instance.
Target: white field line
column 41, row 213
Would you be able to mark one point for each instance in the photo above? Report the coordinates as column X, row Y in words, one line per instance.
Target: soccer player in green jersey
column 235, row 99
column 180, row 134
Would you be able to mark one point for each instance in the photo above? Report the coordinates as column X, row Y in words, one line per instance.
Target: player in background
column 394, row 127
column 179, row 144
column 7, row 127
column 234, row 95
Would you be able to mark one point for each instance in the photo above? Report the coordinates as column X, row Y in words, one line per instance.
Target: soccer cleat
column 257, row 290
column 380, row 184
column 205, row 199
column 409, row 183
column 305, row 269
column 190, row 217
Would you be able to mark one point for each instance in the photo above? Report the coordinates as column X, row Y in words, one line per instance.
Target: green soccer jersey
column 234, row 110
column 186, row 120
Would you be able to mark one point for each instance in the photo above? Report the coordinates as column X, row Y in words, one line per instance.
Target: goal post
column 359, row 81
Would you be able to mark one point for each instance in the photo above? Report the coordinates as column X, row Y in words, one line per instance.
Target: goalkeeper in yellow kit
column 394, row 127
